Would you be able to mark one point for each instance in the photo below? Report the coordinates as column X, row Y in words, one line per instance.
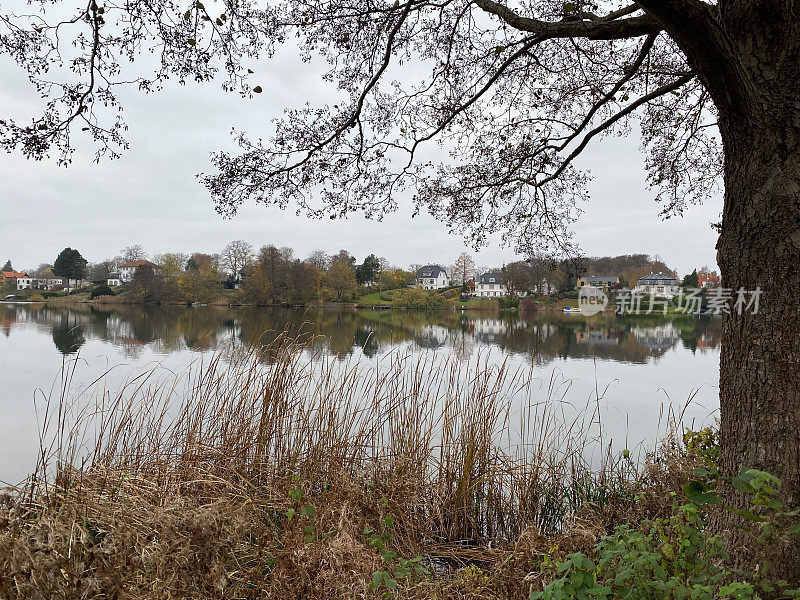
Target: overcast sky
column 151, row 196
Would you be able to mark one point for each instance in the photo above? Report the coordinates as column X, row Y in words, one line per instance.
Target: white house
column 47, row 283
column 24, row 283
column 432, row 277
column 114, row 279
column 658, row 285
column 128, row 269
column 490, row 285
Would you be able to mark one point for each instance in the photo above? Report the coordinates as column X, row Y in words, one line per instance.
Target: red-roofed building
column 9, row 278
column 708, row 280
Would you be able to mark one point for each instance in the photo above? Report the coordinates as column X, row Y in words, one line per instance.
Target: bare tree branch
column 594, row 29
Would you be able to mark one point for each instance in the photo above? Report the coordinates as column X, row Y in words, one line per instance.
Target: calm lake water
column 639, row 366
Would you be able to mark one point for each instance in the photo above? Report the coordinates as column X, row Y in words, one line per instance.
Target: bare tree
column 131, row 253
column 320, row 259
column 518, row 278
column 516, row 92
column 464, row 267
column 236, row 255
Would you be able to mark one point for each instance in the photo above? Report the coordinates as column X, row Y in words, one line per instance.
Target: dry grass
column 199, row 485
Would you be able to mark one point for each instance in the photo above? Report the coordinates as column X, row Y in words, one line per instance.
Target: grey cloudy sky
column 151, row 195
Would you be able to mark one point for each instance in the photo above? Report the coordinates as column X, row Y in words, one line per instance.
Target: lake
column 637, row 368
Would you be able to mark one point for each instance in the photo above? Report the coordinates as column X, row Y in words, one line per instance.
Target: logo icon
column 591, row 301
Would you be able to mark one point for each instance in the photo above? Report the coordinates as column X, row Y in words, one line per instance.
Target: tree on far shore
column 464, row 268
column 367, row 271
column 691, row 280
column 70, row 265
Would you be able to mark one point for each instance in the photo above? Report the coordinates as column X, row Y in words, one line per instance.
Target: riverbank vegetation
column 313, row 478
column 273, row 276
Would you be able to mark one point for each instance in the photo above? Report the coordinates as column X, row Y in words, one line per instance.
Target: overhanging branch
column 607, row 28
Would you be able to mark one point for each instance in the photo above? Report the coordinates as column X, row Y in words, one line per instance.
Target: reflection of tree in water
column 542, row 337
column 432, row 336
column 365, row 338
column 68, row 339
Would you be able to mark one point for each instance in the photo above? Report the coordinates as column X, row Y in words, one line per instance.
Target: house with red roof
column 127, row 270
column 707, row 280
column 9, row 278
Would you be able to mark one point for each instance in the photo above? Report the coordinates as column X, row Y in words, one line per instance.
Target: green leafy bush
column 508, row 303
column 676, row 557
column 396, row 568
column 101, row 290
column 416, row 298
column 482, row 304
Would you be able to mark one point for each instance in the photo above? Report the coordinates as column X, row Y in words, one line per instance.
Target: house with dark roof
column 660, row 285
column 603, row 282
column 490, row 285
column 432, row 277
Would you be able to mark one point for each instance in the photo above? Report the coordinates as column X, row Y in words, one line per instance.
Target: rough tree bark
column 759, row 246
column 760, row 360
column 748, row 56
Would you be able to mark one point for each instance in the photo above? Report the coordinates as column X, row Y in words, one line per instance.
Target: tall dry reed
column 187, row 485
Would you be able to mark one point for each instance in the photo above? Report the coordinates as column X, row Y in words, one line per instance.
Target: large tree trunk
column 759, row 247
column 747, row 54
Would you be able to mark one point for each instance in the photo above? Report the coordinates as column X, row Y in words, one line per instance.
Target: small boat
column 571, row 309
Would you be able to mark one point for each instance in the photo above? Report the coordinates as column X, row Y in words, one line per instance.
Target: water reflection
column 543, row 337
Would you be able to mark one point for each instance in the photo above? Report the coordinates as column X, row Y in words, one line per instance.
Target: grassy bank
column 419, row 479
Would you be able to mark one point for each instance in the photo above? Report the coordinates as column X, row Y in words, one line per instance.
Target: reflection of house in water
column 660, row 337
column 119, row 331
column 595, row 336
column 709, row 340
column 431, row 336
column 489, row 331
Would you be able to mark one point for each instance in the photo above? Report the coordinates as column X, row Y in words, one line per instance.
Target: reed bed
column 269, row 472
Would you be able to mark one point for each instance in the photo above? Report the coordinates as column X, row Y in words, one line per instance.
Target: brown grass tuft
column 262, row 476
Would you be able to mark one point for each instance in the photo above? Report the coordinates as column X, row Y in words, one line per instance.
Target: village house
column 49, row 283
column 25, row 283
column 659, row 285
column 126, row 271
column 707, row 279
column 490, row 285
column 432, row 277
column 10, row 278
column 606, row 283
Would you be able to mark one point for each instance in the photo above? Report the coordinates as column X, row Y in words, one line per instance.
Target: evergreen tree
column 70, row 265
column 691, row 280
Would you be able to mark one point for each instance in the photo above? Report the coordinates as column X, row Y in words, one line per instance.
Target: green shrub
column 482, row 304
column 36, row 298
column 416, row 298
column 676, row 557
column 508, row 303
column 101, row 290
column 452, row 294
